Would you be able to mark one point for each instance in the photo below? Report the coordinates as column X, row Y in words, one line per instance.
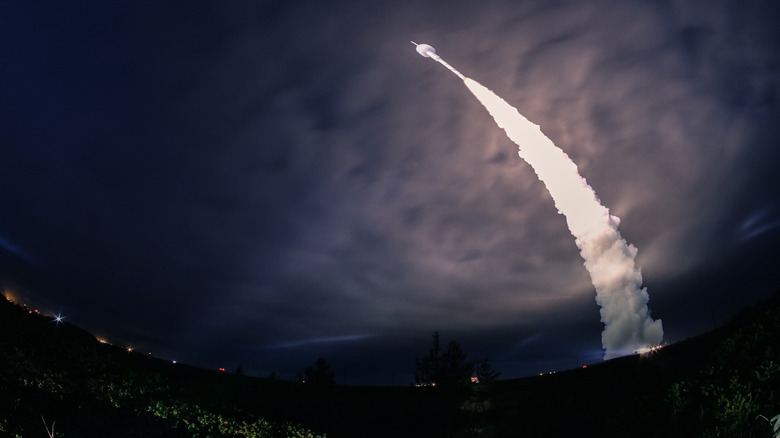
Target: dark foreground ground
column 718, row 384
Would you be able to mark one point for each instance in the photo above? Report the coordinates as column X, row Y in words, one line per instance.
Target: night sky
column 264, row 183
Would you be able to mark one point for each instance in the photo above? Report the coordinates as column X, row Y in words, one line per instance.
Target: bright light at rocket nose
column 425, row 50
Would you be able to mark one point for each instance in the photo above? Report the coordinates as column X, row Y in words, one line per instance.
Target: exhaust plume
column 609, row 260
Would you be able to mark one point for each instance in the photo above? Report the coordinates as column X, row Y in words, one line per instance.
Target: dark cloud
column 217, row 180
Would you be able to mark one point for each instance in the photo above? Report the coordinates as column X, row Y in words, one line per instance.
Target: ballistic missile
column 427, row 51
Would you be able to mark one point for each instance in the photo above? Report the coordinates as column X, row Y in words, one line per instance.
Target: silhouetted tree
column 320, row 374
column 485, row 372
column 456, row 370
column 444, row 369
column 427, row 368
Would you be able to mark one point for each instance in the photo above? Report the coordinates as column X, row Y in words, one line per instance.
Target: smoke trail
column 628, row 326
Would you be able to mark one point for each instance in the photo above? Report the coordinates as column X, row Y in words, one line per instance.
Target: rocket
column 427, row 51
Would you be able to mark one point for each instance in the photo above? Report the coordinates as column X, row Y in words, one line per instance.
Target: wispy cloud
column 315, row 341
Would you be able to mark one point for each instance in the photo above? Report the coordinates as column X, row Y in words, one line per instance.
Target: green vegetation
column 740, row 382
column 725, row 383
column 60, row 373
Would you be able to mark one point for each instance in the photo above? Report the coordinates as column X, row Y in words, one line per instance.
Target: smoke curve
column 609, row 259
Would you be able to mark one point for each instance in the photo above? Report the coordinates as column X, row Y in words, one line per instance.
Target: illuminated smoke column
column 628, row 326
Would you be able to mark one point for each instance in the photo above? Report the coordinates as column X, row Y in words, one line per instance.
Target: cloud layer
column 288, row 171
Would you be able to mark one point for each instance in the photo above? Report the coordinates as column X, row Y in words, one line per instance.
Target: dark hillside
column 716, row 384
column 88, row 389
